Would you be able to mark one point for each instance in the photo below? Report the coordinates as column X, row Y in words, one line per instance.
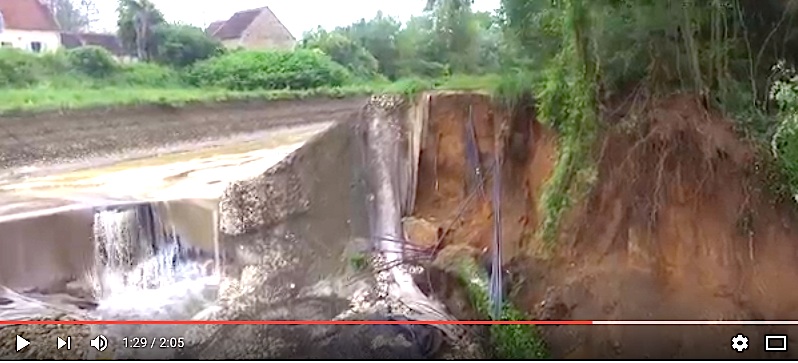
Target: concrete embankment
column 282, row 226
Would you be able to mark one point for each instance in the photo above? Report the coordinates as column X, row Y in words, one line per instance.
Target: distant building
column 28, row 25
column 109, row 42
column 253, row 29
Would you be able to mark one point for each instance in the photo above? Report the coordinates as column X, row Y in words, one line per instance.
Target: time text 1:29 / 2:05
column 153, row 343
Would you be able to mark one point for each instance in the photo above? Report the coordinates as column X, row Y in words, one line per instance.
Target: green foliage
column 567, row 103
column 136, row 23
column 508, row 341
column 378, row 36
column 409, row 87
column 785, row 141
column 146, row 75
column 343, row 50
column 92, row 61
column 514, row 87
column 182, row 45
column 19, row 69
column 252, row 70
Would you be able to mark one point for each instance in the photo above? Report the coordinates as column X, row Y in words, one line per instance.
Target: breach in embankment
column 677, row 222
column 254, row 223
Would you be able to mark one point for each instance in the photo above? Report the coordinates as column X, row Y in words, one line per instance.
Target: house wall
column 21, row 39
column 232, row 43
column 266, row 32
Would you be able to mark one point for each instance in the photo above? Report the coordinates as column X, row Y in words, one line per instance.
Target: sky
column 298, row 15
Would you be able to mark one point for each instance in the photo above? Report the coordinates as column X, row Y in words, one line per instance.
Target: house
column 29, row 25
column 252, row 29
column 109, row 42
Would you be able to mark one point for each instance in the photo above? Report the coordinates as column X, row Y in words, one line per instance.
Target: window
column 36, row 47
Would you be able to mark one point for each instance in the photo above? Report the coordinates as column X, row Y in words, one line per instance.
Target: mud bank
column 60, row 137
column 679, row 226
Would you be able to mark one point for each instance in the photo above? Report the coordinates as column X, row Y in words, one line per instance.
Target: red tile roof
column 27, row 15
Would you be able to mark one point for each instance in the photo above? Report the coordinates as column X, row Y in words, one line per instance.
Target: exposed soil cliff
column 678, row 226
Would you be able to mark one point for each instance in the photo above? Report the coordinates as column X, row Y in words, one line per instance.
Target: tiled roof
column 70, row 40
column 27, row 15
column 214, row 27
column 237, row 24
column 110, row 42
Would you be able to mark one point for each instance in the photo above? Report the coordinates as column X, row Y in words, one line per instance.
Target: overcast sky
column 298, row 15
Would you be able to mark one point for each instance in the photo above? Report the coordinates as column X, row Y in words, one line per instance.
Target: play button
column 21, row 343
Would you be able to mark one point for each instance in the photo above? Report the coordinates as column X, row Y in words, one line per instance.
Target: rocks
column 421, row 231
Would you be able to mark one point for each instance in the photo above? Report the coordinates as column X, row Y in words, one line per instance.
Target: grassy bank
column 57, row 97
column 507, row 341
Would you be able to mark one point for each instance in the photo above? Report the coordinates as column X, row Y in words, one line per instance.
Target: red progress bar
column 296, row 322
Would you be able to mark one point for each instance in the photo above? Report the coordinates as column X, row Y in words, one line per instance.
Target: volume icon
column 99, row 343
column 64, row 343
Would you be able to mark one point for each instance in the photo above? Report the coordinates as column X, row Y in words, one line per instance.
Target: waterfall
column 144, row 269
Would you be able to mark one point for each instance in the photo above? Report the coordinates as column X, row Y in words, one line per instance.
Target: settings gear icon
column 739, row 343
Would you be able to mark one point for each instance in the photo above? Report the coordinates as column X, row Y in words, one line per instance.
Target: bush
column 20, row 69
column 344, row 51
column 146, row 74
column 183, row 45
column 92, row 61
column 252, row 70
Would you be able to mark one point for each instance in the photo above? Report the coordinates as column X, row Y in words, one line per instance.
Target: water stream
column 143, row 271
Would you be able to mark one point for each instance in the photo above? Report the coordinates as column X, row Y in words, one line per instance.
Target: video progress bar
column 394, row 322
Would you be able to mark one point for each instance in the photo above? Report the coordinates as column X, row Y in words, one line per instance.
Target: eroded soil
column 679, row 226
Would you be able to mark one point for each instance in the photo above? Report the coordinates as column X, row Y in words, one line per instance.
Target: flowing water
column 145, row 271
column 144, row 265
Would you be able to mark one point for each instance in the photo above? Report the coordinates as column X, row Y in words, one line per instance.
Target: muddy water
column 201, row 174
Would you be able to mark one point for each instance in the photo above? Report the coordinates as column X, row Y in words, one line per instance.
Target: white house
column 28, row 25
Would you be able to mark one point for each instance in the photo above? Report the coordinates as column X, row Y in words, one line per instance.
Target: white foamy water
column 145, row 272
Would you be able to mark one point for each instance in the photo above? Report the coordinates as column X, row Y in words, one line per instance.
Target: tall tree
column 73, row 15
column 136, row 22
column 456, row 33
column 378, row 36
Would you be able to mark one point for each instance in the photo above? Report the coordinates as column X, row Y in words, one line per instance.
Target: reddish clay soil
column 678, row 226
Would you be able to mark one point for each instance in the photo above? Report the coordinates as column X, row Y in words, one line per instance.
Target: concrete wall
column 46, row 251
column 304, row 211
column 22, row 39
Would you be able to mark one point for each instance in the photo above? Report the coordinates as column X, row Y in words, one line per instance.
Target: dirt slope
column 679, row 226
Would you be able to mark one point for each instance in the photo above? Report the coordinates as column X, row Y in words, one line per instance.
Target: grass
column 48, row 97
column 507, row 341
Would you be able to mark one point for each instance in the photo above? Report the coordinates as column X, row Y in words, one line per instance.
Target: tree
column 378, row 37
column 136, row 21
column 182, row 45
column 344, row 51
column 455, row 33
column 72, row 15
column 89, row 11
column 419, row 53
